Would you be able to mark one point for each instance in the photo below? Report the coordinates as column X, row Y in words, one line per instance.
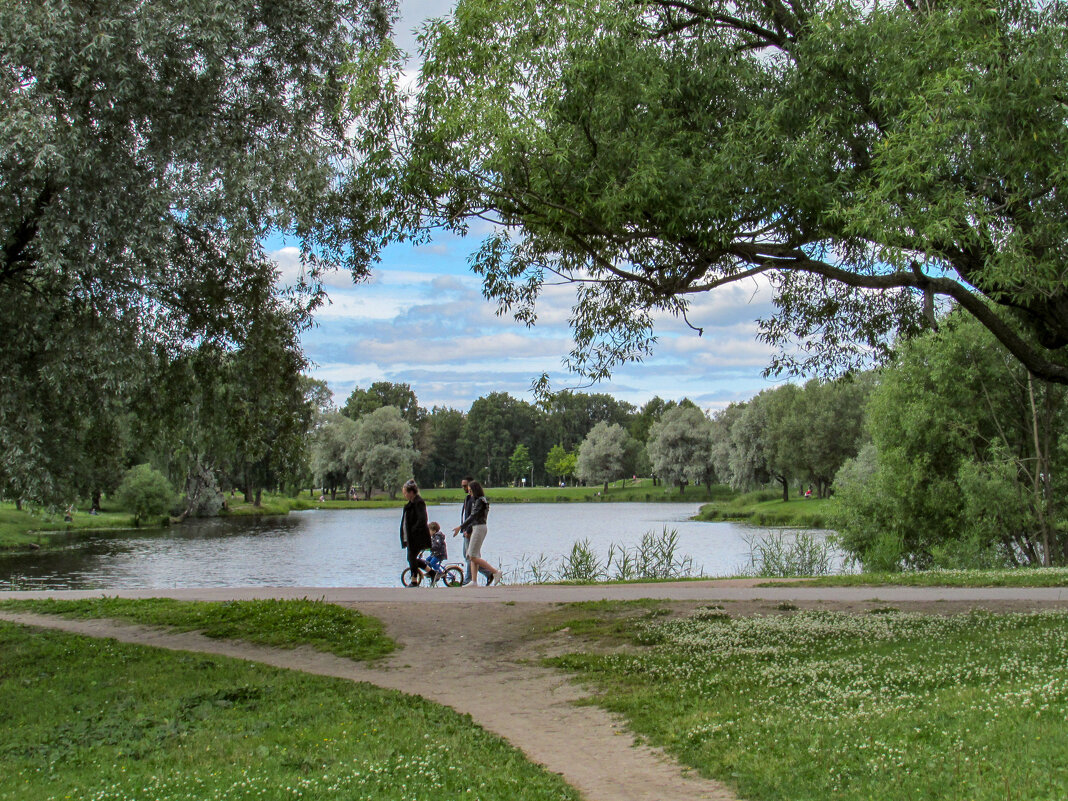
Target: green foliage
column 330, row 441
column 89, row 718
column 781, row 554
column 862, row 159
column 380, row 454
column 602, row 455
column 965, row 467
column 854, row 707
column 560, row 463
column 520, row 464
column 680, row 447
column 149, row 151
column 145, row 492
column 383, row 393
column 655, row 558
column 283, row 624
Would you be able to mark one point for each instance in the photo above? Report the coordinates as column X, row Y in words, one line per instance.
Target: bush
column 145, row 492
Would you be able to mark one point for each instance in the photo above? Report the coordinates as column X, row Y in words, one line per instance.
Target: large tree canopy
column 146, row 152
column 865, row 159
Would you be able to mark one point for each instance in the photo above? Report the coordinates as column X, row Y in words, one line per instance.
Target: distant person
column 414, row 530
column 477, row 522
column 465, row 484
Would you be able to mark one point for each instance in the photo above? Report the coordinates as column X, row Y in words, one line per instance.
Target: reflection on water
column 355, row 547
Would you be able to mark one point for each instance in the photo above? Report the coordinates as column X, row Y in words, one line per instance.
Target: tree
column 495, row 425
column 330, row 443
column 145, row 491
column 647, row 415
column 864, row 160
column 680, row 447
column 831, row 425
column 443, row 461
column 269, row 413
column 149, row 150
column 783, row 433
column 520, row 464
column 381, row 453
column 560, row 463
column 967, row 464
column 383, row 393
column 572, row 414
column 602, row 455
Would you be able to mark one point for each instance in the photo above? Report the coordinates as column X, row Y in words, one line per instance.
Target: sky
column 422, row 320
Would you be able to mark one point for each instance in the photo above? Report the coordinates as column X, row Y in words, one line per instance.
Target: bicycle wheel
column 407, row 578
column 454, row 577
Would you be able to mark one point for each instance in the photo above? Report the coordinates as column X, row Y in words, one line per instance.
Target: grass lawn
column 98, row 720
column 767, row 508
column 284, row 624
column 1017, row 577
column 23, row 529
column 811, row 706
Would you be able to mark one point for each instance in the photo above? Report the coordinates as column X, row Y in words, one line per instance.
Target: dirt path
column 489, row 672
column 474, row 653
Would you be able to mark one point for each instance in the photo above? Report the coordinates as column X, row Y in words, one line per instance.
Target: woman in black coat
column 414, row 529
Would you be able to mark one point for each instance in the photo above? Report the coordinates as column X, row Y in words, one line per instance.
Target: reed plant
column 656, row 556
column 786, row 554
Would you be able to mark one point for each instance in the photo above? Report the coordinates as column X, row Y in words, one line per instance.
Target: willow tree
column 147, row 152
column 868, row 161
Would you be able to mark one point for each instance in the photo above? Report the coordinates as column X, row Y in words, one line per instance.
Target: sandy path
column 488, row 672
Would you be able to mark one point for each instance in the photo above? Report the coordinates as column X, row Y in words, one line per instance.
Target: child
column 438, row 553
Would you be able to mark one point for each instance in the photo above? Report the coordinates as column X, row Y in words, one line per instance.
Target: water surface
column 358, row 547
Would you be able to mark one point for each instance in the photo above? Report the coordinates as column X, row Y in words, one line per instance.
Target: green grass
column 98, row 720
column 607, row 620
column 283, row 624
column 766, row 508
column 632, row 491
column 809, row 706
column 20, row 530
column 1016, row 577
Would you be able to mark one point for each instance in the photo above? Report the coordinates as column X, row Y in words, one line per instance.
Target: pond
column 361, row 547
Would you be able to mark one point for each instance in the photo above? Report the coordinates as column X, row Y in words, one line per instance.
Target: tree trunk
column 785, row 487
column 247, row 491
column 259, row 495
column 96, row 500
column 606, row 488
column 18, row 504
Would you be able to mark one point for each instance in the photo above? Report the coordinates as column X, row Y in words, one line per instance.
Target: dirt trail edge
column 481, row 665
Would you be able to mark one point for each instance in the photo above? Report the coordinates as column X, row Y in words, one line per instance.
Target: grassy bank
column 766, row 508
column 1017, row 577
column 33, row 528
column 874, row 707
column 284, row 624
column 101, row 720
column 639, row 490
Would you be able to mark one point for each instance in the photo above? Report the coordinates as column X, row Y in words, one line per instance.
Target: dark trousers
column 413, row 559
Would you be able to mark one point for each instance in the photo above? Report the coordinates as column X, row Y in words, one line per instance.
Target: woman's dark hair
column 476, row 489
column 411, row 485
